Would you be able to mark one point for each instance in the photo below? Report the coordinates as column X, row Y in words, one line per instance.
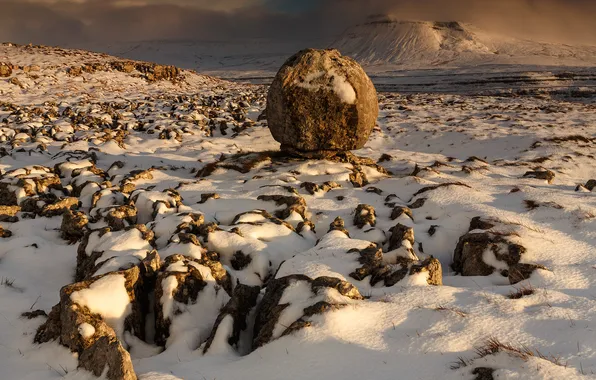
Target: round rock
column 320, row 103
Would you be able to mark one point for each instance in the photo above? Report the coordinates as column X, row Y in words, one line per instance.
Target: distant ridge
column 386, row 40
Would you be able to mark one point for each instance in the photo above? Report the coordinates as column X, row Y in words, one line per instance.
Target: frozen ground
column 68, row 128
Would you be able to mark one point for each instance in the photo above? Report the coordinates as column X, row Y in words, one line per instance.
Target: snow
column 220, row 345
column 86, row 330
column 169, row 285
column 107, row 297
column 411, row 330
column 318, row 80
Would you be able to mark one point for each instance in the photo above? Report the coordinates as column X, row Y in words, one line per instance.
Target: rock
column 97, row 254
column 294, row 204
column 233, row 319
column 338, row 224
column 363, row 215
column 483, row 373
column 5, row 70
column 205, row 197
column 358, row 177
column 547, row 175
column 8, row 214
column 477, row 223
column 5, row 233
column 320, row 103
column 302, row 296
column 520, row 272
column 120, row 217
column 591, row 184
column 399, row 234
column 186, row 285
column 74, row 225
column 434, row 269
column 401, row 210
column 469, row 257
column 48, row 205
column 79, row 325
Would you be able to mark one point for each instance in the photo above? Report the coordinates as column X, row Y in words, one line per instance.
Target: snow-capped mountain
column 386, row 41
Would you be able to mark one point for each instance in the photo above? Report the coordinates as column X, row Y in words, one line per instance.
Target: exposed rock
column 357, row 177
column 48, row 205
column 234, row 314
column 120, row 217
column 365, row 214
column 185, row 281
column 374, row 264
column 94, row 257
column 338, row 225
column 320, row 103
column 5, row 233
column 5, row 70
column 98, row 344
column 74, row 225
column 401, row 210
column 477, row 223
column 469, row 257
column 418, row 203
column 547, row 175
column 399, row 234
column 321, row 295
column 8, row 214
column 312, row 188
column 205, row 197
column 293, row 204
column 483, row 373
column 520, row 272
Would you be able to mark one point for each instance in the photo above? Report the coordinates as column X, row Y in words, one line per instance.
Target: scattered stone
column 5, row 233
column 473, row 248
column 483, row 373
column 8, row 214
column 519, row 272
column 365, row 215
column 74, row 225
column 294, row 204
column 310, row 297
column 401, row 210
column 205, row 197
column 98, row 345
column 5, row 70
column 234, row 320
column 546, row 175
column 186, row 281
column 338, row 225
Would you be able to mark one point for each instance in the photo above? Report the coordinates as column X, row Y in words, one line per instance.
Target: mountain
column 386, row 41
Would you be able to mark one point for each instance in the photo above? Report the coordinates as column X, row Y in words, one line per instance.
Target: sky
column 67, row 22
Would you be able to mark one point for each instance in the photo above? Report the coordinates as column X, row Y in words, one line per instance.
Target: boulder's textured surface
column 321, row 102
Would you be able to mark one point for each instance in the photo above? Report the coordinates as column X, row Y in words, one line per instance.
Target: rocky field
column 150, row 227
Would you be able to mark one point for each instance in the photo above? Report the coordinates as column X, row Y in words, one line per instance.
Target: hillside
column 385, row 41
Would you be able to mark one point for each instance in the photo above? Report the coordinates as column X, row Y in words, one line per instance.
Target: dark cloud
column 80, row 21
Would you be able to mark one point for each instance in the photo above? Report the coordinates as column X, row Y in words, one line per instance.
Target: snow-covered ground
column 119, row 141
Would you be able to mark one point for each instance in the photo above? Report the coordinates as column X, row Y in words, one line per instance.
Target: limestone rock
column 321, row 295
column 320, row 103
column 235, row 314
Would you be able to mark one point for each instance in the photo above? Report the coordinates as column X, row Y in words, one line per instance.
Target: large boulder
column 320, row 103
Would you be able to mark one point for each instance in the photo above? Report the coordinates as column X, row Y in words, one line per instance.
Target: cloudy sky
column 82, row 21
